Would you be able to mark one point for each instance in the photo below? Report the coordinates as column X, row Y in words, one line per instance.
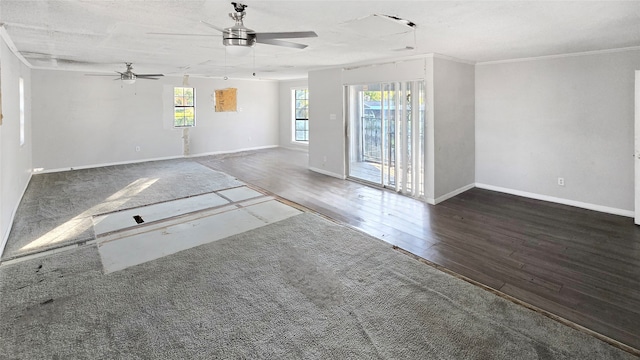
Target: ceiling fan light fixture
column 238, row 40
column 128, row 77
column 238, row 50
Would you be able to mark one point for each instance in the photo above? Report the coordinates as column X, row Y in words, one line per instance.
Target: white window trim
column 292, row 135
column 173, row 108
column 22, row 109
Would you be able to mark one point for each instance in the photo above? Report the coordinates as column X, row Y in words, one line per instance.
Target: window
column 184, row 107
column 21, row 112
column 301, row 115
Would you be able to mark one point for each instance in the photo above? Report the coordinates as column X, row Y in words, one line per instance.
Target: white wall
column 15, row 160
column 569, row 117
column 83, row 121
column 326, row 124
column 255, row 125
column 454, row 137
column 286, row 114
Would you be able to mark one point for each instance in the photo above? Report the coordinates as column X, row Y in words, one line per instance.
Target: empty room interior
column 319, row 179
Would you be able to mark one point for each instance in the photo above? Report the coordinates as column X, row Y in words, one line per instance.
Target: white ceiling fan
column 239, row 39
column 129, row 77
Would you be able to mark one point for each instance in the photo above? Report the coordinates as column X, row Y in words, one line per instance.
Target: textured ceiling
column 95, row 35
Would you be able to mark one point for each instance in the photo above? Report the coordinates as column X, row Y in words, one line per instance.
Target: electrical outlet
column 561, row 181
column 137, row 148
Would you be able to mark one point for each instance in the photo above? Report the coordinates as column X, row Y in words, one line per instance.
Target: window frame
column 294, row 117
column 183, row 106
column 22, row 110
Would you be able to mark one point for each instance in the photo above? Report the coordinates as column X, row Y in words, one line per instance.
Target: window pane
column 302, row 125
column 177, row 92
column 178, row 101
column 189, row 114
column 302, row 114
column 301, row 136
column 301, row 94
column 178, row 117
column 188, row 96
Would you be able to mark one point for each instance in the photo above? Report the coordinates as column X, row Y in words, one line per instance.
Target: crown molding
column 451, row 58
column 560, row 56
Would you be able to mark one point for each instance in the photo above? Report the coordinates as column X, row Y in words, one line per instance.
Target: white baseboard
column 601, row 208
column 5, row 236
column 452, row 193
column 46, row 171
column 303, row 149
column 328, row 173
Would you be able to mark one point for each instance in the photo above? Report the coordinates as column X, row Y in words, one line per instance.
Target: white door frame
column 636, row 154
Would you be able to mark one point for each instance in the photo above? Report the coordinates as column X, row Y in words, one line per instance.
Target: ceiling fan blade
column 178, row 34
column 285, row 35
column 281, row 43
column 148, row 75
column 213, row 26
column 98, row 74
column 146, row 78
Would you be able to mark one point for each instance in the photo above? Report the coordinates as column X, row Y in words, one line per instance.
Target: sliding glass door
column 365, row 133
column 386, row 135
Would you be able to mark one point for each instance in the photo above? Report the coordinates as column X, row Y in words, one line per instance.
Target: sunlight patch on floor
column 81, row 222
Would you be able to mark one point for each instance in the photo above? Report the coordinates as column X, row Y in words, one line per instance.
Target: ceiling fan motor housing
column 239, row 35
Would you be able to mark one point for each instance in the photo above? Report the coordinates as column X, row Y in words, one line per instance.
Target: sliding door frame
column 401, row 140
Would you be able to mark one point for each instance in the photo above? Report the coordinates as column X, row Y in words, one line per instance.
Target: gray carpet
column 63, row 203
column 303, row 288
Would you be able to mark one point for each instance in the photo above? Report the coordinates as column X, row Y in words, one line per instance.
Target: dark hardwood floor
column 581, row 265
